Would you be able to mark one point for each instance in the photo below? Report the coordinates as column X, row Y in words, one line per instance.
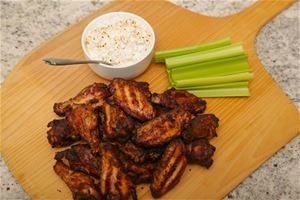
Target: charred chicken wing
column 173, row 98
column 200, row 152
column 202, row 126
column 138, row 154
column 116, row 124
column 61, row 134
column 162, row 129
column 133, row 97
column 138, row 173
column 93, row 95
column 114, row 183
column 81, row 185
column 80, row 158
column 170, row 169
column 84, row 121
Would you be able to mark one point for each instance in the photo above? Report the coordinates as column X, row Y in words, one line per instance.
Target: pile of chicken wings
column 126, row 136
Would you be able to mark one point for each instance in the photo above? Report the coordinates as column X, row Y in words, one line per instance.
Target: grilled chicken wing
column 162, row 129
column 202, row 126
column 138, row 154
column 170, row 169
column 61, row 134
column 93, row 95
column 200, row 152
column 138, row 173
column 114, row 183
column 84, row 121
column 116, row 124
column 173, row 98
column 133, row 98
column 81, row 185
column 80, row 158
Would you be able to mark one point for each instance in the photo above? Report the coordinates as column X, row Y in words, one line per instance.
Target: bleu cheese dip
column 120, row 40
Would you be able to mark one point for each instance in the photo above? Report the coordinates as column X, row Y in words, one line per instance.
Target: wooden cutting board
column 251, row 130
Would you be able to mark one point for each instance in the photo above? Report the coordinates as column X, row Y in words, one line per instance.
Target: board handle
column 260, row 13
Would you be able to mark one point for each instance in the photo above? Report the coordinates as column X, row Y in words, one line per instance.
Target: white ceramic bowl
column 125, row 71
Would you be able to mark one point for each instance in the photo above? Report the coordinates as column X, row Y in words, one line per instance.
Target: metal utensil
column 59, row 61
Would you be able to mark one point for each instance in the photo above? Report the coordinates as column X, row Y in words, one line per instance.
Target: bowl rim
column 95, row 20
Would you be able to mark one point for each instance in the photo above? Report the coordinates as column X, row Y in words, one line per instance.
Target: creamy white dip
column 119, row 40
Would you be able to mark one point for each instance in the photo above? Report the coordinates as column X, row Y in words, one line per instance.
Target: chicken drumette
column 61, row 134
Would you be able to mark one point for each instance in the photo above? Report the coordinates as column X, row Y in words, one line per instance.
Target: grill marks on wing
column 170, row 169
column 162, row 129
column 132, row 97
column 114, row 183
column 116, row 124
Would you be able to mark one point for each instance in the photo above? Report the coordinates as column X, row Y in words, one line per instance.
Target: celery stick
column 209, row 69
column 214, row 80
column 160, row 56
column 216, row 86
column 222, row 92
column 231, row 51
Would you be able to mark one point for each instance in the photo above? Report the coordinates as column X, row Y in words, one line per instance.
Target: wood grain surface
column 251, row 129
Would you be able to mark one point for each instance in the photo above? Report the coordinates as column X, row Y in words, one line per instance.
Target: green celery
column 216, row 86
column 246, row 76
column 220, row 53
column 210, row 69
column 222, row 92
column 160, row 56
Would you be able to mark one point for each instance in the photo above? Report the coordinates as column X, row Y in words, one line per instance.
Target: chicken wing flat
column 162, row 129
column 170, row 169
column 93, row 95
column 200, row 152
column 114, row 183
column 116, row 124
column 80, row 158
column 138, row 173
column 61, row 134
column 133, row 97
column 81, row 185
column 138, row 154
column 173, row 98
column 84, row 121
column 202, row 126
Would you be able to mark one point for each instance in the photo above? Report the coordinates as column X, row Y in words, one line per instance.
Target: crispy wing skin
column 93, row 95
column 80, row 158
column 202, row 126
column 114, row 183
column 61, row 134
column 138, row 173
column 162, row 129
column 133, row 98
column 81, row 185
column 200, row 152
column 84, row 121
column 173, row 98
column 170, row 169
column 116, row 124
